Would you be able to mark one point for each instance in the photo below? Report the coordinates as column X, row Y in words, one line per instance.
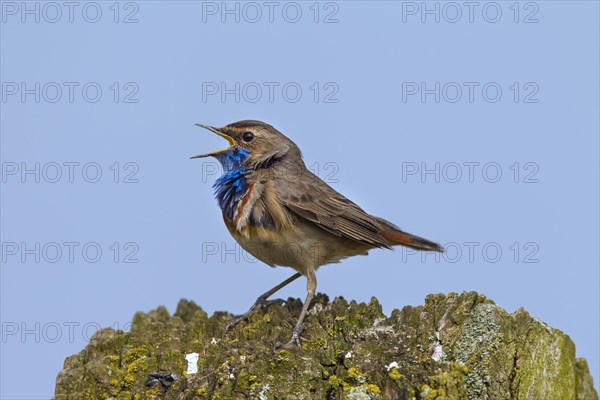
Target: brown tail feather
column 412, row 241
column 396, row 236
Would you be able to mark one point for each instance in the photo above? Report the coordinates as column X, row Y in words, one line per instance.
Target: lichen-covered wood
column 456, row 346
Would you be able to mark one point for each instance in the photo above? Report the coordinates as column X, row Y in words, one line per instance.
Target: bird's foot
column 294, row 341
column 260, row 303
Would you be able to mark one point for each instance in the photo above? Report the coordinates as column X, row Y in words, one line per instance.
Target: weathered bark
column 453, row 347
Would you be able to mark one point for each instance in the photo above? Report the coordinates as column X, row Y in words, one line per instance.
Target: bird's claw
column 260, row 302
column 294, row 341
column 232, row 324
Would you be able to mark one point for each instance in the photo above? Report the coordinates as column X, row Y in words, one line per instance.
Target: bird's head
column 260, row 144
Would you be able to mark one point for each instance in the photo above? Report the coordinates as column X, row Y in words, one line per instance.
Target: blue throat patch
column 232, row 185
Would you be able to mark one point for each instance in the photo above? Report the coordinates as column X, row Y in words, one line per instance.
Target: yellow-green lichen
column 345, row 349
column 394, row 374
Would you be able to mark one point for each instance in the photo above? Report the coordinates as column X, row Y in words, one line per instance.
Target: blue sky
column 475, row 127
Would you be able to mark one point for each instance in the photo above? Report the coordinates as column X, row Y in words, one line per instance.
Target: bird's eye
column 248, row 136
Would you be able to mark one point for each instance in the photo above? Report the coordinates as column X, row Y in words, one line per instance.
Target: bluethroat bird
column 284, row 215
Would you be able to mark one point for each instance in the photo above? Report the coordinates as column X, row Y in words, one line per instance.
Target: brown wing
column 314, row 200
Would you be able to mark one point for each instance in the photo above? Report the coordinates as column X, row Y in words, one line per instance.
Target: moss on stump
column 456, row 346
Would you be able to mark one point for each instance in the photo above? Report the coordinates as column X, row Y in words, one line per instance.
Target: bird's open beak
column 229, row 139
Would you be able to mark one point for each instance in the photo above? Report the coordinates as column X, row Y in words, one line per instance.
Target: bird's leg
column 261, row 301
column 311, row 287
